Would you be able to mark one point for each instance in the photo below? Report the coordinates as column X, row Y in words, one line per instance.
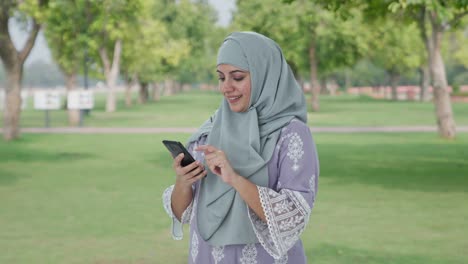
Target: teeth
column 234, row 98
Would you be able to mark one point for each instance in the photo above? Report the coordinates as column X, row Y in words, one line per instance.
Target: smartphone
column 175, row 147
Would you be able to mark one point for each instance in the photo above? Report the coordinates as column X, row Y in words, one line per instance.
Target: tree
column 109, row 24
column 13, row 59
column 441, row 15
column 434, row 17
column 150, row 49
column 65, row 33
column 315, row 41
column 395, row 47
column 193, row 22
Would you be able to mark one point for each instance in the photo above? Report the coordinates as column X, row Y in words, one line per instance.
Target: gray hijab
column 247, row 138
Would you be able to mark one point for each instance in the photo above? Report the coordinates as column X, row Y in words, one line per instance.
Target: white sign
column 47, row 100
column 24, row 99
column 80, row 99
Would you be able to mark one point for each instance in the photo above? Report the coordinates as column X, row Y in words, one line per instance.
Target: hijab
column 247, row 138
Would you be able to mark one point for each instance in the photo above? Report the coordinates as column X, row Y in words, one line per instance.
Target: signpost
column 47, row 100
column 82, row 100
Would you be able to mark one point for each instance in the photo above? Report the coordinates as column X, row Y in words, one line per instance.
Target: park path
column 156, row 130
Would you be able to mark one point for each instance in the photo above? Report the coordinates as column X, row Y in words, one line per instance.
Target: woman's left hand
column 218, row 163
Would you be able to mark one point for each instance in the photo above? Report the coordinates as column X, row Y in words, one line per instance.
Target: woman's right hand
column 186, row 176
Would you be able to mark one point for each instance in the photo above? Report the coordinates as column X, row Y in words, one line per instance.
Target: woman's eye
column 238, row 78
column 221, row 79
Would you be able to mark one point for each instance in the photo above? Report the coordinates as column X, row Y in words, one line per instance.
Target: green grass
column 190, row 109
column 383, row 198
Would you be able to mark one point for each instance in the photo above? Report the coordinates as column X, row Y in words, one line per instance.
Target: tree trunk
column 424, row 82
column 128, row 94
column 13, row 61
column 323, row 86
column 168, row 87
column 394, row 78
column 425, row 69
column 177, row 87
column 442, row 103
column 347, row 79
column 111, row 72
column 314, row 83
column 128, row 90
column 73, row 114
column 144, row 93
column 156, row 92
column 12, row 107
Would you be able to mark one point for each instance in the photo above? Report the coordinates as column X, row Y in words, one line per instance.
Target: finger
column 216, row 160
column 214, row 168
column 206, row 148
column 190, row 167
column 195, row 172
column 198, row 177
column 210, row 156
column 177, row 160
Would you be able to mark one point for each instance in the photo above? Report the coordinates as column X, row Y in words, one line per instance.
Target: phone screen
column 175, row 148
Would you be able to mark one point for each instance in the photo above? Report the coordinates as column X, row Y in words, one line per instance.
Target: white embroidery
column 249, row 254
column 177, row 226
column 194, row 250
column 218, row 253
column 167, row 200
column 168, row 208
column 312, row 186
column 287, row 214
column 282, row 260
column 295, row 149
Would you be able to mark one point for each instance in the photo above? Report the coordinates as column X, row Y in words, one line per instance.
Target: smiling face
column 234, row 84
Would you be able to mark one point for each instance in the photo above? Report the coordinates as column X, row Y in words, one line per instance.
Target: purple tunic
column 287, row 203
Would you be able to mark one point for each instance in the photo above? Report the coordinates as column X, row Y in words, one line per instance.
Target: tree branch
column 7, row 48
column 116, row 59
column 105, row 60
column 457, row 17
column 23, row 54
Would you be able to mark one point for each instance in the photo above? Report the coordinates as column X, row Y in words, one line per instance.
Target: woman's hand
column 218, row 163
column 189, row 174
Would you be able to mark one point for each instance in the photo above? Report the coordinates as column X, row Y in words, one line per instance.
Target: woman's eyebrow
column 234, row 71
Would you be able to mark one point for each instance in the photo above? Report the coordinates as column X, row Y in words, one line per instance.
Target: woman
column 250, row 193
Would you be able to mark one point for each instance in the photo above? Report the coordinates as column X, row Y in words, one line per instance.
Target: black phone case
column 175, row 147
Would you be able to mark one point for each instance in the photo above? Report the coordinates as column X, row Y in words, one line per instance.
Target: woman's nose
column 226, row 86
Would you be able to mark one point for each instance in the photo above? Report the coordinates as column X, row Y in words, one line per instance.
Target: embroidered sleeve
column 177, row 226
column 287, row 215
column 287, row 207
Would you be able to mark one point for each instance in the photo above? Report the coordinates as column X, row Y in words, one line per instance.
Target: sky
column 41, row 51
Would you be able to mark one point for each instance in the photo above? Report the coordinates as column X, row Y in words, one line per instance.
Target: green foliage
column 77, row 29
column 150, row 48
column 339, row 43
column 192, row 23
column 446, row 11
column 277, row 21
column 396, row 47
column 66, row 35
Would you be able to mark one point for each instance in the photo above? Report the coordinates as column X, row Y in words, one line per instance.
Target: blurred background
column 90, row 88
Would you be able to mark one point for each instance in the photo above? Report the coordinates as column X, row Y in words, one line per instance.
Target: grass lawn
column 190, row 109
column 383, row 198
